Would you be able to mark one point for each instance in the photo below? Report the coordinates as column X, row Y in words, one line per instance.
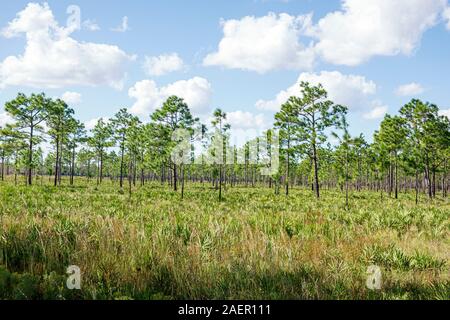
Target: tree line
column 409, row 152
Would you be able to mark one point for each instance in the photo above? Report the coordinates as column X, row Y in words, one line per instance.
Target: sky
column 246, row 57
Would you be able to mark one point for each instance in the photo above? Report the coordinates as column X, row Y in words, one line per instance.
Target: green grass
column 253, row 245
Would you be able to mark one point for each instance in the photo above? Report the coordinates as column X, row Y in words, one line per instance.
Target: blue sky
column 374, row 55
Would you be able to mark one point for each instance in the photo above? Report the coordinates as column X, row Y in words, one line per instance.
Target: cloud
column 378, row 111
column 350, row 36
column 245, row 126
column 163, row 64
column 5, row 119
column 123, row 27
column 90, row 124
column 52, row 59
column 410, row 89
column 246, row 120
column 445, row 113
column 71, row 97
column 196, row 92
column 350, row 90
column 363, row 29
column 263, row 44
column 446, row 16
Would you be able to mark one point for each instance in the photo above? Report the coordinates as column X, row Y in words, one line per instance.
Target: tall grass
column 253, row 245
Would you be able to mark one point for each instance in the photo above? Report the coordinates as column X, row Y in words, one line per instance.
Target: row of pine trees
column 409, row 152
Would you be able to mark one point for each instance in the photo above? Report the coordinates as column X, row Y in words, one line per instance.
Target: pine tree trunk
column 30, row 157
column 174, row 177
column 396, row 177
column 72, row 173
column 220, row 182
column 56, row 161
column 122, row 151
column 286, row 179
column 316, row 172
column 182, row 182
column 3, row 166
column 101, row 167
column 417, row 187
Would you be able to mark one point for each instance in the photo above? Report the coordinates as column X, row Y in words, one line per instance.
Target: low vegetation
column 252, row 245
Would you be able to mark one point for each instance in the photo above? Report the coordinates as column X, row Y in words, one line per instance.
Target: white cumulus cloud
column 351, row 90
column 263, row 44
column 352, row 35
column 446, row 15
column 245, row 126
column 163, row 64
column 5, row 119
column 246, row 120
column 90, row 124
column 445, row 113
column 410, row 89
column 196, row 92
column 378, row 111
column 71, row 97
column 52, row 59
column 363, row 29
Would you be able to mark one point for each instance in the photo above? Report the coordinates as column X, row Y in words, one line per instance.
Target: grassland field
column 253, row 245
